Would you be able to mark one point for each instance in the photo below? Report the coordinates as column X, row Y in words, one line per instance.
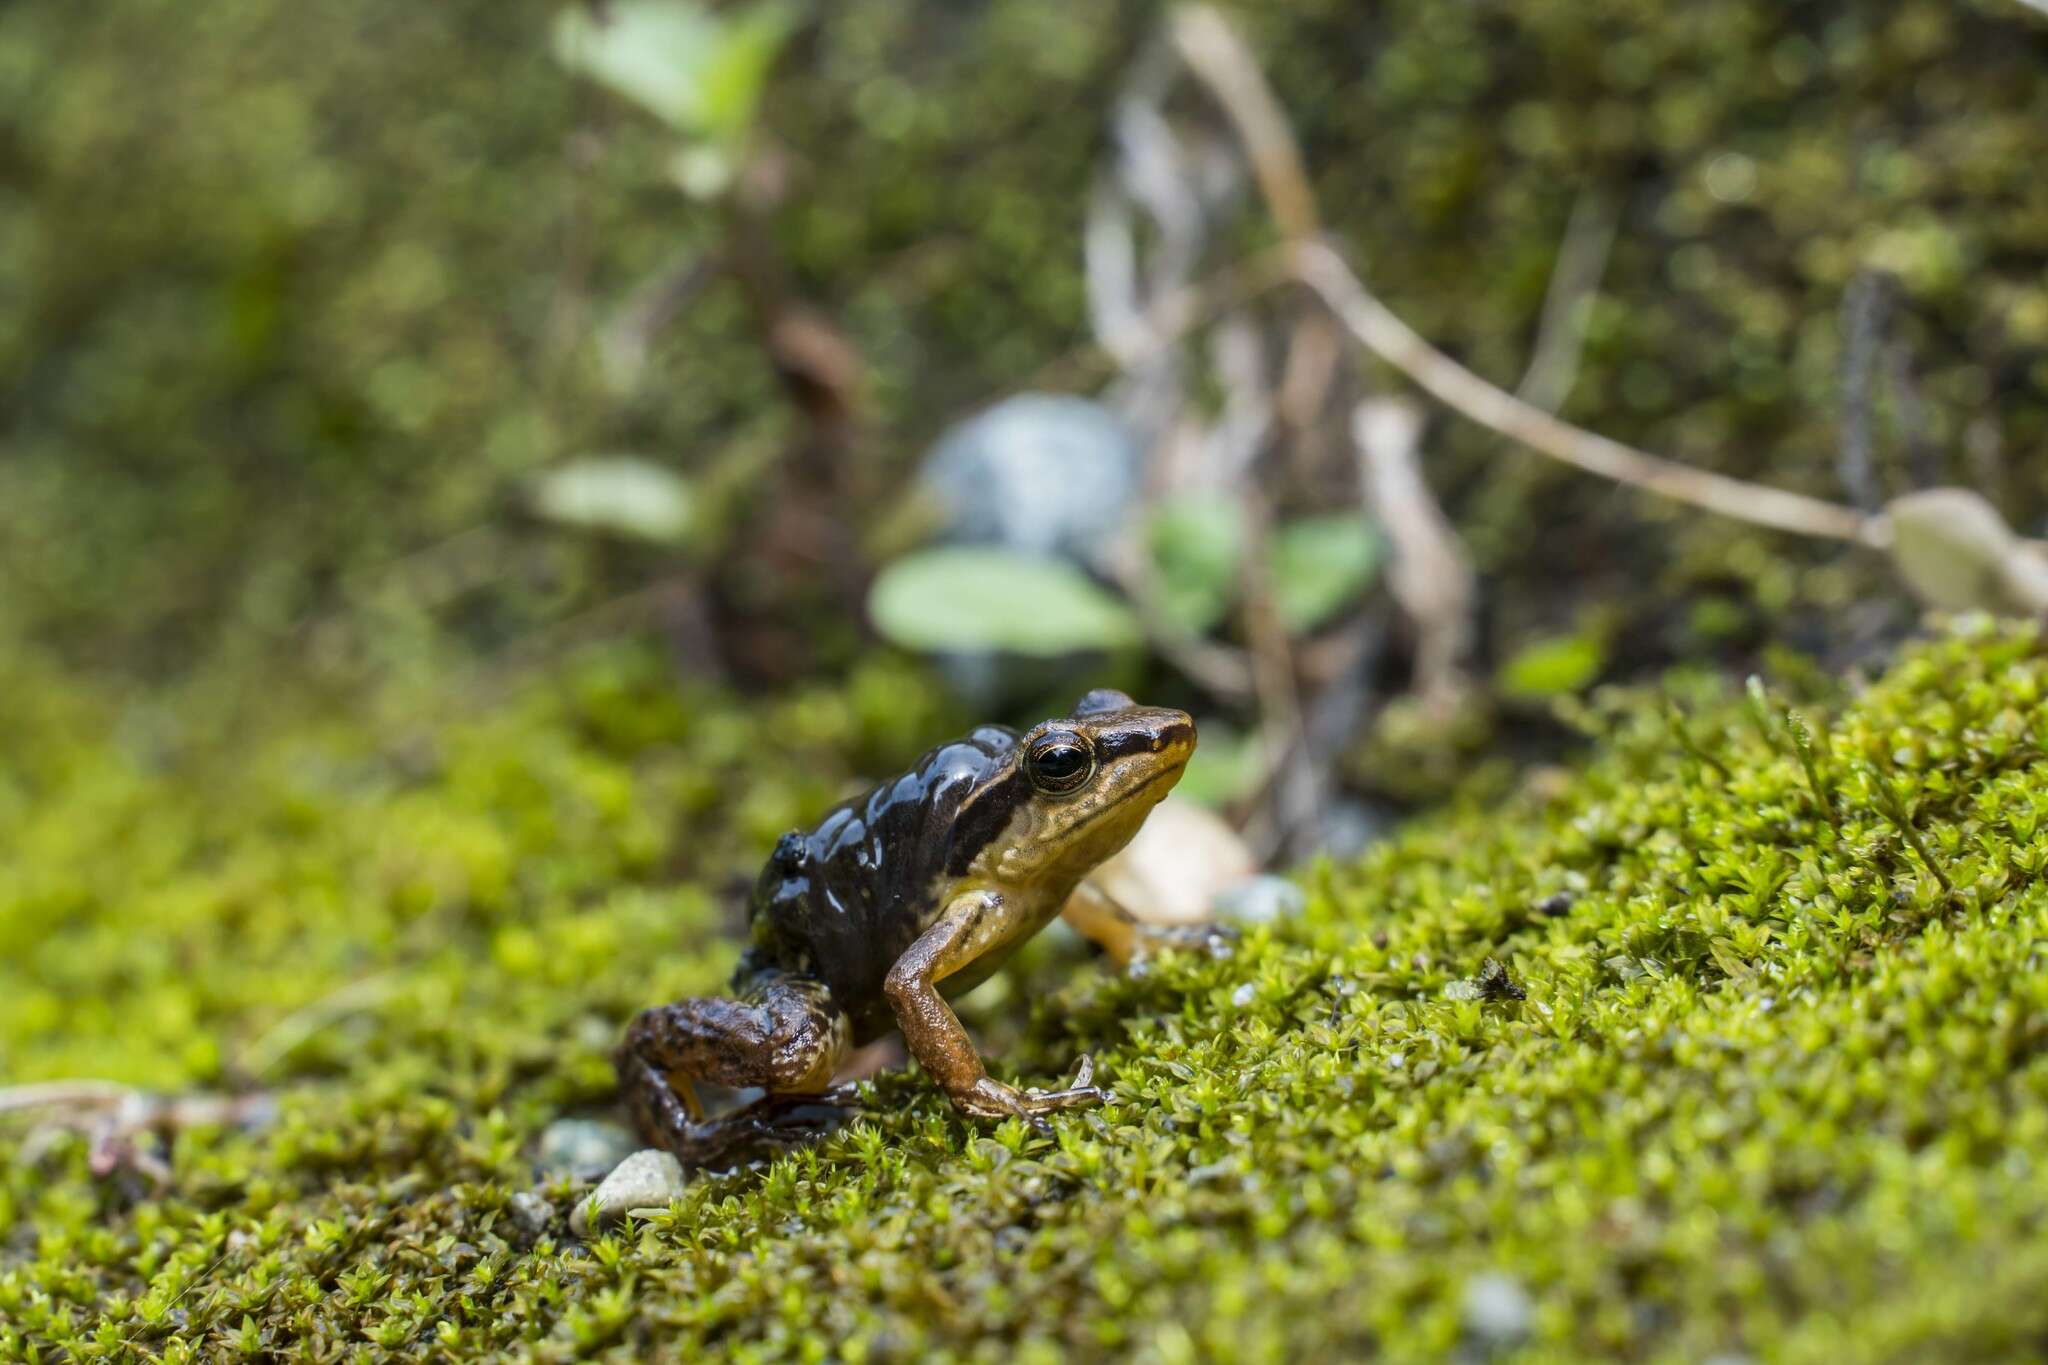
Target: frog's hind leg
column 1092, row 913
column 784, row 1035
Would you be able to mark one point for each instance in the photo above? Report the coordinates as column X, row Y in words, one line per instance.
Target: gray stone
column 643, row 1181
column 1498, row 1311
column 1041, row 473
column 531, row 1213
column 1347, row 828
column 583, row 1149
column 1260, row 900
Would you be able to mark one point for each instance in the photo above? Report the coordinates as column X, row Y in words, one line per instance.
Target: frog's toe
column 1073, row 1097
column 1217, row 940
column 1083, row 1091
column 991, row 1100
column 781, row 1121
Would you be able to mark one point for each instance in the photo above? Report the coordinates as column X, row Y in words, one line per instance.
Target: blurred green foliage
column 699, row 70
column 984, row 598
column 291, row 296
column 1776, row 1087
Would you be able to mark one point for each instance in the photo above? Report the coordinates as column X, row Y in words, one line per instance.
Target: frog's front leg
column 971, row 925
column 784, row 1035
column 1094, row 914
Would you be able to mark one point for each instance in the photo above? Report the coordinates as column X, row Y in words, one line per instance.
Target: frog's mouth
column 1123, row 801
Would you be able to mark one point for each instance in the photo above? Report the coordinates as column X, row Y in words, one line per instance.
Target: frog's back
column 843, row 901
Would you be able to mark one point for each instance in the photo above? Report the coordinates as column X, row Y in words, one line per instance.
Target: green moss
column 1777, row 1084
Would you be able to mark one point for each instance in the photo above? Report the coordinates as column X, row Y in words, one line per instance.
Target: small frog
column 900, row 898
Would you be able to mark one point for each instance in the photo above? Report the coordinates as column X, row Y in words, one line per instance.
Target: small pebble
column 1260, row 900
column 644, row 1180
column 531, row 1213
column 583, row 1149
column 1348, row 828
column 1498, row 1311
column 1044, row 473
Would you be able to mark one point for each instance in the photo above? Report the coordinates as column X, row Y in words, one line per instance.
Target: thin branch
column 1427, row 572
column 1218, row 57
column 1923, row 459
column 1214, row 52
column 1166, row 321
column 1288, row 799
column 74, row 1096
column 284, row 1037
column 1110, row 254
column 1241, row 431
column 1561, row 335
column 624, row 341
column 1376, row 327
column 1866, row 307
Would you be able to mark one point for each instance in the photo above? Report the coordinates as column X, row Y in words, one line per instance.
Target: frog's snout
column 1149, row 731
column 1174, row 740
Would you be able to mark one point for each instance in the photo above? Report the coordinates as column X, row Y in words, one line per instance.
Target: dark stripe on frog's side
column 987, row 814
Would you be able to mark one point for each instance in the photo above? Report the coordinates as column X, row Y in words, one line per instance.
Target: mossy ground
column 1777, row 1087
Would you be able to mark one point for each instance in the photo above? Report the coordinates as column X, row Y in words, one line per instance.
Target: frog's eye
column 1059, row 762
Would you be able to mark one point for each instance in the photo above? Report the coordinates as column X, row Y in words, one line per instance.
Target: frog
column 898, row 901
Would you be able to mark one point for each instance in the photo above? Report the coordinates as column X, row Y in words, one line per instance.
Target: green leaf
column 621, row 494
column 699, row 72
column 738, row 70
column 1555, row 666
column 1319, row 565
column 1197, row 543
column 983, row 598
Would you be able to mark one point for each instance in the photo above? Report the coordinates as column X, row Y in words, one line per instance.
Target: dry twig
column 1216, row 54
column 1218, row 57
column 1427, row 571
column 1377, row 328
column 1866, row 305
column 1561, row 335
column 119, row 1119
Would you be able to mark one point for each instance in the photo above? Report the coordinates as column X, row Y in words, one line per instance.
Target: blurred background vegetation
column 304, row 307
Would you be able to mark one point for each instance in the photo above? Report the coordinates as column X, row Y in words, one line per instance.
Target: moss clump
column 1776, row 1083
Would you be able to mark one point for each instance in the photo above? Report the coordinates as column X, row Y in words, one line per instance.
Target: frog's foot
column 1217, row 940
column 785, row 1036
column 992, row 1100
column 771, row 1124
column 1127, row 938
column 798, row 1118
column 778, row 1122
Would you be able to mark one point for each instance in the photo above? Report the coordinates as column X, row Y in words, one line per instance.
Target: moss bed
column 1776, row 1089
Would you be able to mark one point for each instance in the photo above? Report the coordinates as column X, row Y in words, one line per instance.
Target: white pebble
column 644, row 1180
column 1498, row 1310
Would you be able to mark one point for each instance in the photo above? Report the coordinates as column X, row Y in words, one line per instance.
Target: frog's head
column 1087, row 780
